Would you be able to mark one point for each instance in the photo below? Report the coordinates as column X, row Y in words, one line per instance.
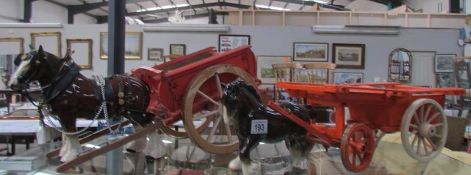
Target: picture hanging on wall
column 444, row 62
column 228, row 42
column 310, row 51
column 400, row 65
column 132, row 45
column 350, row 56
column 51, row 42
column 445, row 79
column 82, row 50
column 177, row 50
column 155, row 54
column 348, row 77
column 265, row 71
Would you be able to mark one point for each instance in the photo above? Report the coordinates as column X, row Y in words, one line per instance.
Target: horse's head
column 32, row 66
column 237, row 97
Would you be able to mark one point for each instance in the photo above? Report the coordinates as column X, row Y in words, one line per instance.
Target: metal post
column 116, row 32
column 27, row 11
column 114, row 159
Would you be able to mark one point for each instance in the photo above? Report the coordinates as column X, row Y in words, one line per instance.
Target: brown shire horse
column 70, row 95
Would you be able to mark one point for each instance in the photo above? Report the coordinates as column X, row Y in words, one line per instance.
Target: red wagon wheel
column 424, row 129
column 203, row 100
column 357, row 147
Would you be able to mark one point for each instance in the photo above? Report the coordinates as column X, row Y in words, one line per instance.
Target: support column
column 116, row 32
column 27, row 11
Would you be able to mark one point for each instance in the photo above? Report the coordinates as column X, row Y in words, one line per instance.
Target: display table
column 27, row 129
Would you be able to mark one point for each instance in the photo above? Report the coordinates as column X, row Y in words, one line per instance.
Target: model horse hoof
column 235, row 164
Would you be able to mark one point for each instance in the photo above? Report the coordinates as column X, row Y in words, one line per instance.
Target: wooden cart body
column 168, row 82
column 380, row 107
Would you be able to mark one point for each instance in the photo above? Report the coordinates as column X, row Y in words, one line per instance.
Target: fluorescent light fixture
column 163, row 7
column 186, row 28
column 31, row 25
column 356, row 29
column 317, row 1
column 271, row 7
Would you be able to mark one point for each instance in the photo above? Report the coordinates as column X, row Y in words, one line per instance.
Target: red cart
column 362, row 110
column 189, row 88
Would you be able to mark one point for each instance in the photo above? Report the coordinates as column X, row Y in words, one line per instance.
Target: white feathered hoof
column 155, row 148
column 235, row 164
column 137, row 145
column 72, row 149
column 251, row 168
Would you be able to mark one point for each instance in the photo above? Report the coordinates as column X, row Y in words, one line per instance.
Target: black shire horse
column 256, row 123
column 70, row 95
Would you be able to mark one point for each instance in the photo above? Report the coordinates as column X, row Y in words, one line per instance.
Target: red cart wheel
column 424, row 129
column 357, row 147
column 202, row 101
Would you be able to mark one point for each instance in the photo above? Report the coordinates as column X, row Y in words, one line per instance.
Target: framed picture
column 351, row 56
column 51, row 42
column 14, row 45
column 265, row 71
column 132, row 45
column 177, row 49
column 445, row 79
column 400, row 61
column 83, row 51
column 348, row 77
column 444, row 62
column 228, row 42
column 310, row 51
column 156, row 54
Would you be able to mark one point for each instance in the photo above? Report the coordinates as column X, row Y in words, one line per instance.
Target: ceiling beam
column 102, row 19
column 213, row 4
column 160, row 20
column 90, row 6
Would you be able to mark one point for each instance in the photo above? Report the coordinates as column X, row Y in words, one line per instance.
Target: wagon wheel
column 205, row 90
column 424, row 129
column 357, row 147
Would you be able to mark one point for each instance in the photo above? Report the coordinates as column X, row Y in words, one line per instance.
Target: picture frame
column 177, row 50
column 155, row 54
column 445, row 79
column 400, row 65
column 265, row 71
column 314, row 52
column 82, row 47
column 350, row 56
column 46, row 40
column 11, row 40
column 444, row 63
column 348, row 77
column 132, row 46
column 227, row 42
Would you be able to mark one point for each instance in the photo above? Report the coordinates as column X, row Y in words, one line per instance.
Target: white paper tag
column 259, row 127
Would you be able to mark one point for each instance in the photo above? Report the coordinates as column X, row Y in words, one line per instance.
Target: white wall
column 267, row 40
column 366, row 5
column 11, row 9
column 430, row 6
column 42, row 12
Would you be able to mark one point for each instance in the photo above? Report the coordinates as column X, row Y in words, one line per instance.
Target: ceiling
column 159, row 10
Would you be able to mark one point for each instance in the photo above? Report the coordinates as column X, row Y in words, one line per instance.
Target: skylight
column 163, row 7
column 271, row 7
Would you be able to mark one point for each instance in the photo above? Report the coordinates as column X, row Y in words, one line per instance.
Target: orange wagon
column 364, row 110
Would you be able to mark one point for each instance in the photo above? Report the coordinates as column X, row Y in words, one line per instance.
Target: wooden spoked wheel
column 357, row 147
column 202, row 101
column 424, row 129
